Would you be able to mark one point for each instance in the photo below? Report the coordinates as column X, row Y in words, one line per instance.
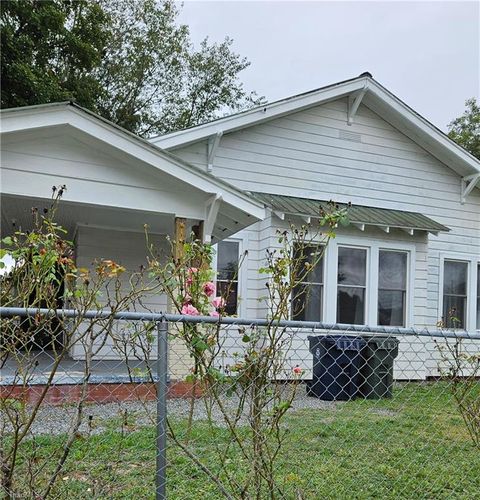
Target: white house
column 412, row 250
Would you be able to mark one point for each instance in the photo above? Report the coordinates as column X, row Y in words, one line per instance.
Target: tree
column 465, row 130
column 131, row 61
column 154, row 79
column 49, row 51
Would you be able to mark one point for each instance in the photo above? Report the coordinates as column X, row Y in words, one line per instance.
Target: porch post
column 179, row 236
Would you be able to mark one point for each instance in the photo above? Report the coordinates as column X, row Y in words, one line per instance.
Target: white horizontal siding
column 128, row 249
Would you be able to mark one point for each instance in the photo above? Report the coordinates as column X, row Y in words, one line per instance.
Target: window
column 307, row 296
column 478, row 297
column 392, row 287
column 227, row 274
column 454, row 293
column 351, row 285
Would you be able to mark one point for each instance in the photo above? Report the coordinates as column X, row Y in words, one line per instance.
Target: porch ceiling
column 16, row 213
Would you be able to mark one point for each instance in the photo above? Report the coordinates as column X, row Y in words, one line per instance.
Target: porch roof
column 358, row 215
column 169, row 184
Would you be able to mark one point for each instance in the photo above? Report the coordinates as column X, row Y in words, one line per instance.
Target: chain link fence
column 162, row 406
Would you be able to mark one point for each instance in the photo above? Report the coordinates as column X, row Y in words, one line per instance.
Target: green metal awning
column 359, row 216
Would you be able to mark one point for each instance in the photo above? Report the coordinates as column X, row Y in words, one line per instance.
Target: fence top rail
column 229, row 320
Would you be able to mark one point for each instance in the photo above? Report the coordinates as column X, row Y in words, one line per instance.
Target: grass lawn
column 413, row 446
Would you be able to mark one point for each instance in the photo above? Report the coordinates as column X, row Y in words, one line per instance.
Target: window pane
column 391, row 308
column 478, row 280
column 478, row 313
column 478, row 297
column 455, row 277
column 307, row 303
column 454, row 311
column 227, row 260
column 392, row 270
column 352, row 266
column 351, row 305
column 229, row 291
column 311, row 255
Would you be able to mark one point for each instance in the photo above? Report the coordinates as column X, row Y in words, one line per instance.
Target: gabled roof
column 70, row 114
column 375, row 96
column 358, row 215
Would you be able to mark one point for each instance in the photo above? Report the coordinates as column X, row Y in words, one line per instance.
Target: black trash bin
column 337, row 361
column 377, row 370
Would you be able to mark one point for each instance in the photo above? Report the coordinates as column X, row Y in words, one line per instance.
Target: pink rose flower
column 214, row 314
column 190, row 310
column 218, row 302
column 192, row 270
column 297, row 370
column 209, row 288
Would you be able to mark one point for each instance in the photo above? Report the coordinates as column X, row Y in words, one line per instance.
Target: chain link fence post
column 162, row 379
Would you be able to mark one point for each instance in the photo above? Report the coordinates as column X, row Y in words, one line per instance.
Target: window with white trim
column 228, row 256
column 392, row 287
column 351, row 285
column 455, row 282
column 307, row 295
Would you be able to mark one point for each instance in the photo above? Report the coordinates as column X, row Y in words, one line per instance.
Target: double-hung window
column 227, row 274
column 455, row 279
column 351, row 285
column 307, row 295
column 392, row 287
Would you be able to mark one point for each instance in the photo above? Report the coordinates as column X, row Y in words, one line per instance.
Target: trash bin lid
column 340, row 342
column 345, row 343
column 384, row 343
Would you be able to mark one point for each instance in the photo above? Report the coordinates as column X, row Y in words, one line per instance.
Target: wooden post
column 180, row 234
column 179, row 362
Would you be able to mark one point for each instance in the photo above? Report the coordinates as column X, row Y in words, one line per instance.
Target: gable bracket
column 353, row 105
column 467, row 185
column 209, row 224
column 213, row 143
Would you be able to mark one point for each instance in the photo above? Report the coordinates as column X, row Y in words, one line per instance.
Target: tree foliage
column 465, row 130
column 49, row 51
column 131, row 61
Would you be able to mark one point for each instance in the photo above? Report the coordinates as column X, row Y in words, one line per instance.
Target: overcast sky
column 427, row 53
